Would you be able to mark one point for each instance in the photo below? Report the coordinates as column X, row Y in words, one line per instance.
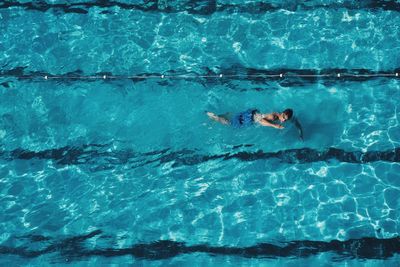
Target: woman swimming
column 253, row 116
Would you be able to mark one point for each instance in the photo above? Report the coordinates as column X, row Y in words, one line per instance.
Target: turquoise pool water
column 131, row 171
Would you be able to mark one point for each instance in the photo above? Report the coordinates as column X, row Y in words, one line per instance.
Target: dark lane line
column 289, row 78
column 75, row 248
column 93, row 154
column 200, row 7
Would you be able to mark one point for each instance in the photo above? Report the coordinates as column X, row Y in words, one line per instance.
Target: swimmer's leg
column 219, row 118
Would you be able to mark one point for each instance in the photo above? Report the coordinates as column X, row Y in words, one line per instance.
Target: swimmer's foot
column 217, row 118
column 212, row 116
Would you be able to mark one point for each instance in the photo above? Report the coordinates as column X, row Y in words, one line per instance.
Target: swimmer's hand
column 278, row 126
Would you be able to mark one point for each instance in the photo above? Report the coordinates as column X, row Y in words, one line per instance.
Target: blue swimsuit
column 243, row 119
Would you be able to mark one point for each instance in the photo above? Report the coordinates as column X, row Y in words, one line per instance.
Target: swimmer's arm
column 267, row 123
column 299, row 128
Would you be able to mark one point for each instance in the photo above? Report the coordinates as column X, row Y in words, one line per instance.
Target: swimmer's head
column 286, row 115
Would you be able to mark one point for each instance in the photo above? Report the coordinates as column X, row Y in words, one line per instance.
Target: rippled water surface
column 128, row 170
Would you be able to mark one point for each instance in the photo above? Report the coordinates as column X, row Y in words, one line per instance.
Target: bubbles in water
column 333, row 90
column 237, row 46
column 349, row 108
column 322, row 172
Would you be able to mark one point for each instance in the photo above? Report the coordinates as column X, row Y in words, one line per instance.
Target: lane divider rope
column 187, row 76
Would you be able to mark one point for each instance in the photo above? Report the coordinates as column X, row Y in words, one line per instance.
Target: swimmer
column 253, row 116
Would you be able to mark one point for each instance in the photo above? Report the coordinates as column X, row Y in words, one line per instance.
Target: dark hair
column 288, row 112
